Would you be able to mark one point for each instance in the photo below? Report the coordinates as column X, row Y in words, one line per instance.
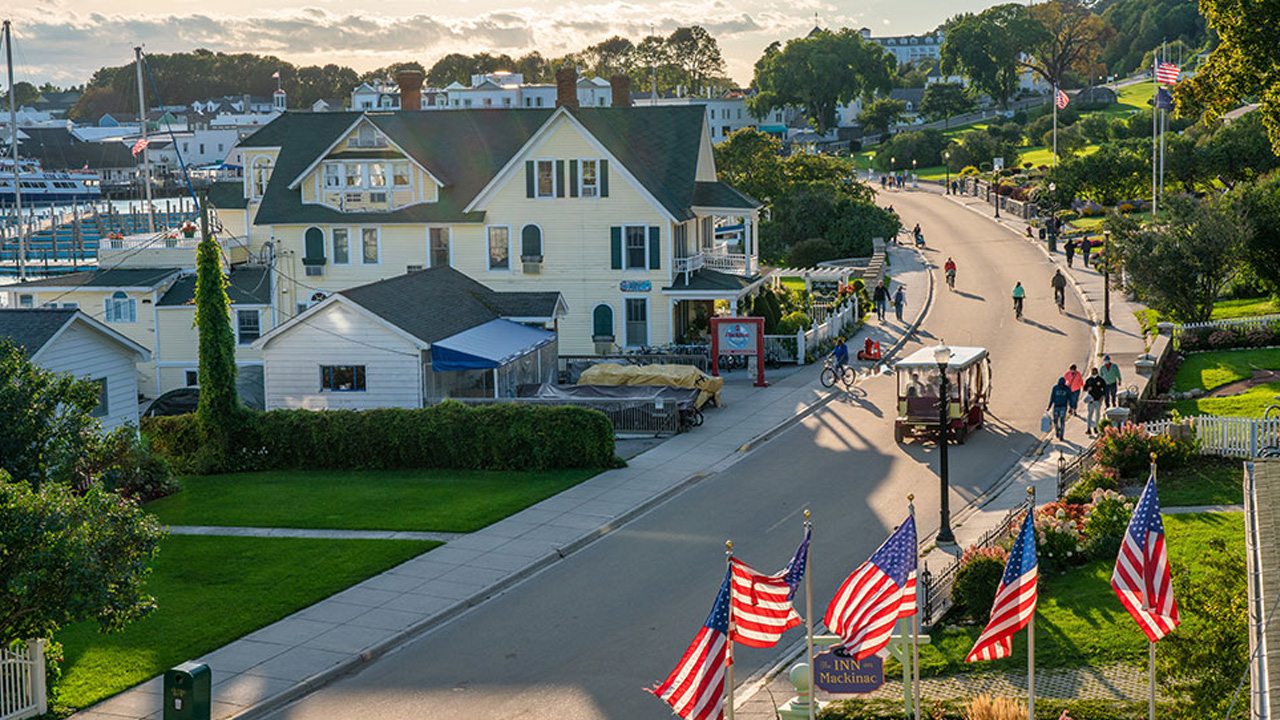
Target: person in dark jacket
column 1070, row 249
column 880, row 298
column 1059, row 403
column 1095, row 391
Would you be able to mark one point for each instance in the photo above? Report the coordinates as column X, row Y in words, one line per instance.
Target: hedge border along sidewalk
column 450, row 435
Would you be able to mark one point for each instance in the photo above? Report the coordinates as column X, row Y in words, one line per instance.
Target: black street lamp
column 942, row 355
column 1053, row 218
column 1106, row 278
column 946, row 160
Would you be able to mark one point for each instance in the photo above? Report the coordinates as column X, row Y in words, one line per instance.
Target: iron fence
column 1069, row 472
column 935, row 588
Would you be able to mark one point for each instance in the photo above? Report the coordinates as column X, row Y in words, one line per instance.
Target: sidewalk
column 1038, row 469
column 304, row 651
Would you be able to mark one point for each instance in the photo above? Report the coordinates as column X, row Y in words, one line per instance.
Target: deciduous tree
column 70, row 558
column 820, row 72
column 986, row 47
column 1259, row 202
column 1182, row 263
column 696, row 52
column 943, row 101
column 1069, row 39
column 881, row 114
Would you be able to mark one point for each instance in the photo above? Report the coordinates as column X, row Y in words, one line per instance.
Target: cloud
column 64, row 46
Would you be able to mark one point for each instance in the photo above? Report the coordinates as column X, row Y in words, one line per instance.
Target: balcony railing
column 688, row 264
column 735, row 263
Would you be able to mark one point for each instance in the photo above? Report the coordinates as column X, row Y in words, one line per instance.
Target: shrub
column 811, row 252
column 448, row 435
column 1125, row 208
column 1223, row 338
column 1168, row 372
column 1066, row 216
column 1060, row 532
column 798, row 320
column 125, row 464
column 976, row 582
column 1091, row 480
column 1128, row 449
column 968, row 170
column 1107, row 516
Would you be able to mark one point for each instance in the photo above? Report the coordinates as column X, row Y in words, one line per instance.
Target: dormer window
column 400, row 175
column 367, row 137
column 261, row 176
column 333, row 175
column 377, row 175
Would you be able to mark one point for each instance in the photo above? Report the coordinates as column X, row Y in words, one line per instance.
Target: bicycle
column 828, row 377
column 1017, row 307
column 1266, row 414
column 1060, row 297
column 951, row 279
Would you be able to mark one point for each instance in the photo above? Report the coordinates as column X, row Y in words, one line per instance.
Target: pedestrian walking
column 1086, row 246
column 1075, row 383
column 1070, row 249
column 884, row 181
column 1059, row 403
column 880, row 297
column 899, row 301
column 1095, row 391
column 1110, row 373
column 953, row 187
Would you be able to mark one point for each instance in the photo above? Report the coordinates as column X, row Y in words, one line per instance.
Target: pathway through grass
column 429, row 500
column 1209, row 370
column 210, row 591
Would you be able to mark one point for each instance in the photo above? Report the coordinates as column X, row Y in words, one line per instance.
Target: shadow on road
column 969, row 295
column 1042, row 326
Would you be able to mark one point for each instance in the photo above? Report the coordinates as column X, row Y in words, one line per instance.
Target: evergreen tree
column 219, row 402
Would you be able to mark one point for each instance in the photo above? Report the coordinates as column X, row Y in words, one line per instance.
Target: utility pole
column 146, row 152
column 13, row 147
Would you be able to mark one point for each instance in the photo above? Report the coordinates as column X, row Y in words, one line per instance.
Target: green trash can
column 187, row 692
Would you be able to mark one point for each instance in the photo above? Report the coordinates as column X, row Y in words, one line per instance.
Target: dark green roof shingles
column 30, row 329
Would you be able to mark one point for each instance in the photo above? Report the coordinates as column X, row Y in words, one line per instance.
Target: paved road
column 580, row 639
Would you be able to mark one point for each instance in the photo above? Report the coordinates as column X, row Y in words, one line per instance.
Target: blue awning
column 490, row 345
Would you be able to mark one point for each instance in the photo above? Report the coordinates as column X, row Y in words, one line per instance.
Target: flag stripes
column 695, row 689
column 1167, row 73
column 761, row 607
column 1015, row 601
column 1061, row 99
column 879, row 592
column 1141, row 579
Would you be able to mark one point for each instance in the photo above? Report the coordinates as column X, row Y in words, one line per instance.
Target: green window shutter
column 602, row 321
column 314, row 247
column 530, row 177
column 573, row 178
column 559, row 178
column 604, row 178
column 615, row 254
column 655, row 247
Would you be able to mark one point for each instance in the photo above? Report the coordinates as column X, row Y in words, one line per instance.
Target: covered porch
column 489, row 361
column 704, row 295
column 722, row 236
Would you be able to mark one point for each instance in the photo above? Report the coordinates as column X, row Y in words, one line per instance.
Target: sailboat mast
column 146, row 152
column 13, row 147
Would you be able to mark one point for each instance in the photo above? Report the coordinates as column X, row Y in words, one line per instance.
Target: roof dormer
column 366, row 171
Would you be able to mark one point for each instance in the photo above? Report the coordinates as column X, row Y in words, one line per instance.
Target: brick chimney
column 410, row 82
column 620, row 87
column 567, row 87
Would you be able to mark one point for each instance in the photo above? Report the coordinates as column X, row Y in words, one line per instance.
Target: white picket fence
column 1229, row 436
column 835, row 325
column 1245, row 324
column 22, row 690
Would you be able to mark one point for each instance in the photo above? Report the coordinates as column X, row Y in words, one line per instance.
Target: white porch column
column 753, row 250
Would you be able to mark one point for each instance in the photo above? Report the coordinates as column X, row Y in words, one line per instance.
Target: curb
column 353, row 664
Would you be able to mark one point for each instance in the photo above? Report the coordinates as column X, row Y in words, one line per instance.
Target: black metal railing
column 1069, row 471
column 935, row 588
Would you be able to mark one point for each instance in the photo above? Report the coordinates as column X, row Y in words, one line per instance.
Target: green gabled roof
column 228, row 196
column 720, row 195
column 143, row 277
column 465, row 149
column 707, row 279
column 657, row 144
column 245, row 286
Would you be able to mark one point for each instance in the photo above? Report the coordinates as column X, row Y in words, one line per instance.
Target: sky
column 64, row 41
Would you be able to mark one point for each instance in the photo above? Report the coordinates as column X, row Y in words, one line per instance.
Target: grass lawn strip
column 424, row 500
column 1205, row 480
column 1251, row 403
column 211, row 591
column 1248, row 307
column 1209, row 370
column 1079, row 621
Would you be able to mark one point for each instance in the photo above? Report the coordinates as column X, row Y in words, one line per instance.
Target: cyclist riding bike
column 840, row 353
column 950, row 269
column 1059, row 284
column 837, row 366
column 1019, row 294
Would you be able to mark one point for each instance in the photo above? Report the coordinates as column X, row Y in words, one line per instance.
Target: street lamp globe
column 942, row 354
column 1053, row 187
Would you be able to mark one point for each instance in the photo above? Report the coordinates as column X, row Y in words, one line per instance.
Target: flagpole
column 1151, row 650
column 1155, row 113
column 1031, row 635
column 1164, row 128
column 915, row 620
column 808, row 609
column 728, row 652
column 1055, row 124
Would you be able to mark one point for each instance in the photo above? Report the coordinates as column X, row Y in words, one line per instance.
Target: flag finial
column 806, row 515
column 728, row 545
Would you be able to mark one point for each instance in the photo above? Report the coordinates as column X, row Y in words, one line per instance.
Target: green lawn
column 210, row 591
column 1209, row 370
column 794, row 283
column 439, row 500
column 1204, row 480
column 1227, row 309
column 1252, row 403
column 1079, row 621
column 1148, row 319
column 1089, row 223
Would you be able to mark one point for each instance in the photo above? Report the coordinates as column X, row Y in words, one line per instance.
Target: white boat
column 41, row 189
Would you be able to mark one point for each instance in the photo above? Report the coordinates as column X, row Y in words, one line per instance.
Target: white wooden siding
column 340, row 336
column 89, row 354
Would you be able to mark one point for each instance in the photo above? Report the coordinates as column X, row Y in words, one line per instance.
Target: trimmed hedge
column 449, row 435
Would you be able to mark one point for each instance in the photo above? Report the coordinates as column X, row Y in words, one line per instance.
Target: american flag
column 695, row 689
column 1015, row 598
column 1167, row 73
column 1141, row 578
column 761, row 604
column 140, row 146
column 1061, row 99
column 879, row 592
column 275, row 75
